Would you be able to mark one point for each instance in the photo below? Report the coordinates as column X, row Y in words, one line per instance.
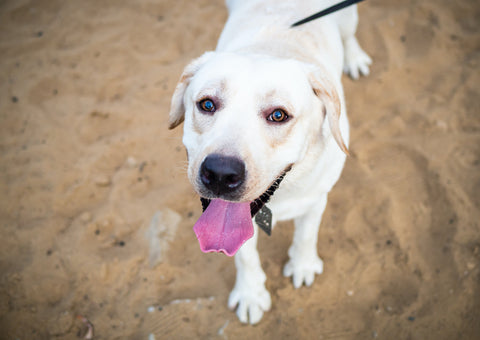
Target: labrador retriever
column 265, row 122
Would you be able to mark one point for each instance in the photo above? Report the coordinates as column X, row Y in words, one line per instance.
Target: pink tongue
column 224, row 227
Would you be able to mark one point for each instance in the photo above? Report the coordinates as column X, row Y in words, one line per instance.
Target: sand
column 96, row 211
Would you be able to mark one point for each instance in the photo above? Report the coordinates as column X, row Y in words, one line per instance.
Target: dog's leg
column 356, row 61
column 304, row 262
column 249, row 292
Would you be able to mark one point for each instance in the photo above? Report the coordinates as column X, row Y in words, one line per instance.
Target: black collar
column 327, row 11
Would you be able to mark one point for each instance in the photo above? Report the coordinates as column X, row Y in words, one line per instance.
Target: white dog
column 268, row 106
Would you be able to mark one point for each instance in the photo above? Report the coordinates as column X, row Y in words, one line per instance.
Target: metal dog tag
column 264, row 220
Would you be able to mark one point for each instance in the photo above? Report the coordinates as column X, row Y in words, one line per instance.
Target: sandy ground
column 96, row 211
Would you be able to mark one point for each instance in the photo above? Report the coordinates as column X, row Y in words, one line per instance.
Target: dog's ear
column 177, row 108
column 325, row 91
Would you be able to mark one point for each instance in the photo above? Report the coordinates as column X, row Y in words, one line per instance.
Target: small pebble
column 86, row 217
column 131, row 162
column 102, row 181
column 442, row 125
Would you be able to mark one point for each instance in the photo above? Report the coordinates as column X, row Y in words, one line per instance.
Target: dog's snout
column 222, row 174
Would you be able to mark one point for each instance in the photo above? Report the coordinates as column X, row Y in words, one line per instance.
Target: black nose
column 222, row 174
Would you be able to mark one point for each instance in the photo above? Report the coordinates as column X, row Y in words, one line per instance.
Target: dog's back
column 264, row 27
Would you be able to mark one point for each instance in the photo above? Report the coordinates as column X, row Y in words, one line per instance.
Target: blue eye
column 207, row 105
column 277, row 116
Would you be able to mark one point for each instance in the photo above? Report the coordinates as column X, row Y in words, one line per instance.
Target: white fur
column 261, row 64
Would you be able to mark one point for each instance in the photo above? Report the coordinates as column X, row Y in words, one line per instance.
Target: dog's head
column 248, row 119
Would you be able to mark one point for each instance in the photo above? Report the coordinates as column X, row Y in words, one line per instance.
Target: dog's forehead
column 258, row 75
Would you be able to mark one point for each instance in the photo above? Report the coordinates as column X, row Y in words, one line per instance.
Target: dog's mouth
column 263, row 199
column 225, row 226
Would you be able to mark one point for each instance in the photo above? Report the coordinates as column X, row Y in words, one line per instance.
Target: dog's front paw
column 303, row 269
column 250, row 303
column 356, row 60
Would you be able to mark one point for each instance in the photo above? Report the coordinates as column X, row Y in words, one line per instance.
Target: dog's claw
column 356, row 60
column 303, row 271
column 250, row 304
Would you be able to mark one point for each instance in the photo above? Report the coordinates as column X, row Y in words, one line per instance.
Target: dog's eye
column 277, row 116
column 207, row 105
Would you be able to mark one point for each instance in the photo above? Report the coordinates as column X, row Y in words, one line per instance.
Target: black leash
column 327, row 11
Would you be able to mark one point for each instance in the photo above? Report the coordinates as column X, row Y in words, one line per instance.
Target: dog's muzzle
column 258, row 203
